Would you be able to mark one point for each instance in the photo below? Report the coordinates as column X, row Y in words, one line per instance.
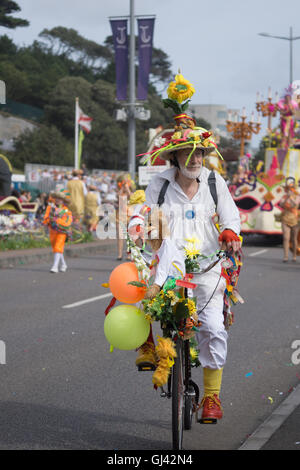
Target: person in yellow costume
column 58, row 217
column 78, row 191
column 92, row 202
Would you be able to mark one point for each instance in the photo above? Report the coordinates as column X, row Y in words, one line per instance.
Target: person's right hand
column 152, row 291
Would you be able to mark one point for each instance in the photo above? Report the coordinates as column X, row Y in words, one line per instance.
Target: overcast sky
column 215, row 43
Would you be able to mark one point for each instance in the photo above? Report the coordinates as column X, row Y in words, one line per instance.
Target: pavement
column 12, row 258
column 280, row 431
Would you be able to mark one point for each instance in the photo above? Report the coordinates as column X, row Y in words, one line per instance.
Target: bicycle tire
column 178, row 397
column 188, row 409
column 189, row 388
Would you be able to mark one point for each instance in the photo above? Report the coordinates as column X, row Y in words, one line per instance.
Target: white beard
column 190, row 174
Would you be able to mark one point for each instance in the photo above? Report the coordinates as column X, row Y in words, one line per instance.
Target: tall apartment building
column 215, row 114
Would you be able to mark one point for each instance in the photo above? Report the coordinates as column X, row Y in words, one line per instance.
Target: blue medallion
column 190, row 214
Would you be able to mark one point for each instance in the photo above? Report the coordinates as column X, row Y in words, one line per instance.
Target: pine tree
column 6, row 20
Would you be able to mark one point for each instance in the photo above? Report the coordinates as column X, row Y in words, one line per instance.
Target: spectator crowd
column 88, row 192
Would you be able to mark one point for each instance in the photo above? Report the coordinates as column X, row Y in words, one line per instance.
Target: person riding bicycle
column 186, row 194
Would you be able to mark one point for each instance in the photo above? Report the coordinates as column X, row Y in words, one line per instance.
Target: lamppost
column 242, row 130
column 131, row 107
column 267, row 108
column 289, row 38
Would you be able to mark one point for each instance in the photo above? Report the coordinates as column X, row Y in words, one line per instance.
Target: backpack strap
column 212, row 187
column 211, row 184
column 161, row 196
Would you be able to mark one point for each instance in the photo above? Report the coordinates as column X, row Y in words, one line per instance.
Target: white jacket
column 193, row 218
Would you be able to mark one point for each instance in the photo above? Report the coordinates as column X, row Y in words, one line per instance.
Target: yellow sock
column 212, row 379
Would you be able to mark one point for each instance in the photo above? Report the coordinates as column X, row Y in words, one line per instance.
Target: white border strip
column 86, row 301
column 263, row 433
column 256, row 253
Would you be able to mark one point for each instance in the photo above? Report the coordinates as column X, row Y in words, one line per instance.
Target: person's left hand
column 229, row 240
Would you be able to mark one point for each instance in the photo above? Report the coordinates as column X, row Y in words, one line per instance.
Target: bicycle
column 183, row 391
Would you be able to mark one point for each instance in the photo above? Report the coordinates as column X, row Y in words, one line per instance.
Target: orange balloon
column 118, row 284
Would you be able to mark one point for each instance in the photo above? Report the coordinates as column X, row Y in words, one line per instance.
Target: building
column 215, row 114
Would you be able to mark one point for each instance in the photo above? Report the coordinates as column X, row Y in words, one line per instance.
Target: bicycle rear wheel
column 178, row 397
column 191, row 395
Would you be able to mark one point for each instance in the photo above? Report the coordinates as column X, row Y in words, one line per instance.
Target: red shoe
column 212, row 410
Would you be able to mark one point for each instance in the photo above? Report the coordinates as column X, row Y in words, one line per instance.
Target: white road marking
column 260, row 252
column 86, row 301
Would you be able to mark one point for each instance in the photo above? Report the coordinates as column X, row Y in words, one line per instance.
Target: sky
column 215, row 44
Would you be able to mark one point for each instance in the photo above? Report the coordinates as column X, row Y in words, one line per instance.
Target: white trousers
column 212, row 336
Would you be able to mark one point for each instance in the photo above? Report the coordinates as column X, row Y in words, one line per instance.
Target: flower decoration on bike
column 192, row 255
column 173, row 310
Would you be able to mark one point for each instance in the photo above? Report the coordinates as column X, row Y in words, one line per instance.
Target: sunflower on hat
column 186, row 133
column 179, row 91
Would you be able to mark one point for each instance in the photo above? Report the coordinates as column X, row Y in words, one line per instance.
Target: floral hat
column 186, row 133
column 63, row 194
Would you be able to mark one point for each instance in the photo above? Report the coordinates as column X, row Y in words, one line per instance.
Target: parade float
column 257, row 191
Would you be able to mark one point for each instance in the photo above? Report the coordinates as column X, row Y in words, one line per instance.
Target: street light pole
column 131, row 107
column 289, row 38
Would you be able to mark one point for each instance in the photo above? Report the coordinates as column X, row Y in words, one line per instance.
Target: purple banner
column 145, row 40
column 120, row 37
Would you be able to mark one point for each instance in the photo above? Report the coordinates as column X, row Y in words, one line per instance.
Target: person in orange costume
column 59, row 220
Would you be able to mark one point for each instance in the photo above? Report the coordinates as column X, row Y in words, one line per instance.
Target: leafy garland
column 140, row 263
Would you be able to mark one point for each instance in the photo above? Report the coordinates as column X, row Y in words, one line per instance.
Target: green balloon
column 126, row 327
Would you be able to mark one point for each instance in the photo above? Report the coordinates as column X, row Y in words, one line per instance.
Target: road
column 61, row 388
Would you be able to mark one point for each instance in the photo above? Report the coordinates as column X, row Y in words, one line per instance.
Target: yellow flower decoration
column 193, row 248
column 194, row 136
column 180, row 90
column 206, row 143
column 191, row 307
column 190, row 252
column 193, row 354
column 138, row 197
column 171, row 295
column 176, row 135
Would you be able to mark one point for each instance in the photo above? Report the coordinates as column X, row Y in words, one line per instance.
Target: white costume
column 170, row 262
column 193, row 218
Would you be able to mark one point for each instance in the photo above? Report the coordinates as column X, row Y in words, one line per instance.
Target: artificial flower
column 190, row 252
column 206, row 143
column 193, row 354
column 191, row 306
column 180, row 90
column 176, row 135
column 205, row 135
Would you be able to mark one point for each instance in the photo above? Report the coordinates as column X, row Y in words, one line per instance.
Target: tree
column 6, row 20
column 45, row 145
column 67, row 41
column 16, row 81
column 50, row 74
column 229, row 149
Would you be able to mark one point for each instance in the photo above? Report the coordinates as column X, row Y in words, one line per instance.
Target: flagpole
column 76, row 134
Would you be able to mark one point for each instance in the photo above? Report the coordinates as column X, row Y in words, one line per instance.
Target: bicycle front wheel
column 178, row 397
